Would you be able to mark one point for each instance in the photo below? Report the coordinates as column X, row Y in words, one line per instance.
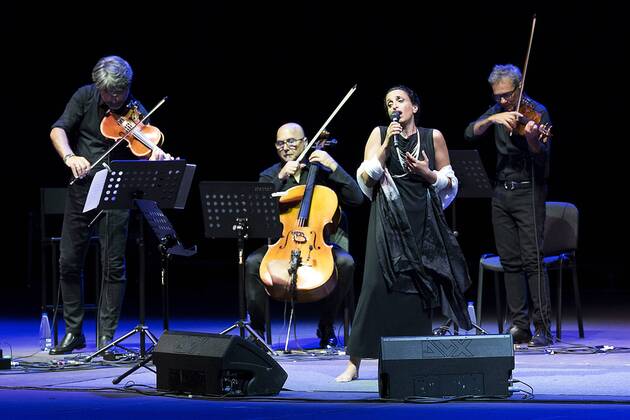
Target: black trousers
column 75, row 236
column 518, row 218
column 257, row 296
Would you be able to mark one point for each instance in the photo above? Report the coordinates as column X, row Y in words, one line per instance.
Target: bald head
column 290, row 130
column 285, row 141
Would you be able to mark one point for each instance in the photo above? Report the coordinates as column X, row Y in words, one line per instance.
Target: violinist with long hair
column 290, row 142
column 518, row 202
column 81, row 121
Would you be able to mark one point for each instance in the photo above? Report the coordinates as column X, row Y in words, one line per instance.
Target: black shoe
column 327, row 337
column 103, row 341
column 520, row 335
column 542, row 338
column 69, row 342
column 110, row 353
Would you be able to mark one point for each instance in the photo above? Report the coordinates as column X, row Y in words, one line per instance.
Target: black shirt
column 514, row 159
column 81, row 120
column 339, row 181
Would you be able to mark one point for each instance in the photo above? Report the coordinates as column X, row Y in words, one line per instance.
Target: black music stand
column 147, row 186
column 240, row 210
column 472, row 177
column 168, row 246
column 473, row 183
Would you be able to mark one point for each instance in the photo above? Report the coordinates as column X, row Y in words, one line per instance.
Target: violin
column 528, row 109
column 525, row 105
column 300, row 266
column 142, row 138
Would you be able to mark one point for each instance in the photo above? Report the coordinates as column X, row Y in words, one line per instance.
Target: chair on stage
column 559, row 250
column 52, row 205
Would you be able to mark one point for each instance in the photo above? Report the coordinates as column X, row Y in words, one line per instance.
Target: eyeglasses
column 506, row 95
column 292, row 143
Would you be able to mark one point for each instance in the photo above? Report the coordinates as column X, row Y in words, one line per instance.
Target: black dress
column 381, row 311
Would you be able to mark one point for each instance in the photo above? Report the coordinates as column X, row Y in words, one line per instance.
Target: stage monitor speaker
column 476, row 365
column 214, row 364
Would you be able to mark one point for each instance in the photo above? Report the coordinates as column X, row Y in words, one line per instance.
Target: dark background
column 234, row 73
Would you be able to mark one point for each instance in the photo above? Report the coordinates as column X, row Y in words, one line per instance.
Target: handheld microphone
column 395, row 118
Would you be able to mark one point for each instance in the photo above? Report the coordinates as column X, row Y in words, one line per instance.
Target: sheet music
column 96, row 189
column 184, row 188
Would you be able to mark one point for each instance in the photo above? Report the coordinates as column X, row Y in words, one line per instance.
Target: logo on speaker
column 446, row 348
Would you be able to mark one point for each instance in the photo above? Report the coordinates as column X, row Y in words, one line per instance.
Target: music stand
column 240, row 210
column 168, row 246
column 473, row 183
column 472, row 177
column 130, row 184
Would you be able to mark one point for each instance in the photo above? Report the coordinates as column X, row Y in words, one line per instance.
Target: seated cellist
column 290, row 143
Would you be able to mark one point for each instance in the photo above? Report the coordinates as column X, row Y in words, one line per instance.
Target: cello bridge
column 298, row 237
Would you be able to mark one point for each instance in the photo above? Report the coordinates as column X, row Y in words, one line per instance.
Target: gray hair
column 112, row 74
column 505, row 71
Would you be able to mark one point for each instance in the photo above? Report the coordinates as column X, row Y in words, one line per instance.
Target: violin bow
column 323, row 127
column 529, row 49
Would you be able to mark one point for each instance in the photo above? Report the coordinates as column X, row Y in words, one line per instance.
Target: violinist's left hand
column 324, row 159
column 532, row 135
column 417, row 166
column 159, row 154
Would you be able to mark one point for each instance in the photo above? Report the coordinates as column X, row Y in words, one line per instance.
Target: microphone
column 395, row 118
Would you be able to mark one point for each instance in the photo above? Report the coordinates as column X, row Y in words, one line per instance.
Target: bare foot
column 351, row 373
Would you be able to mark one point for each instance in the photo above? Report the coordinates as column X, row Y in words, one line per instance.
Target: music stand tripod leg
column 137, row 366
column 230, row 328
column 149, row 334
column 112, row 344
column 244, row 326
column 479, row 329
column 258, row 338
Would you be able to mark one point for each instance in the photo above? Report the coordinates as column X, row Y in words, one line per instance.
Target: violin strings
column 138, row 134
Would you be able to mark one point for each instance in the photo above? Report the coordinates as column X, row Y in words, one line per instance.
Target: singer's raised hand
column 419, row 166
column 394, row 129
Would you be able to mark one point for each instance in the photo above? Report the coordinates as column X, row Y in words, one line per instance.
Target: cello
column 300, row 266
